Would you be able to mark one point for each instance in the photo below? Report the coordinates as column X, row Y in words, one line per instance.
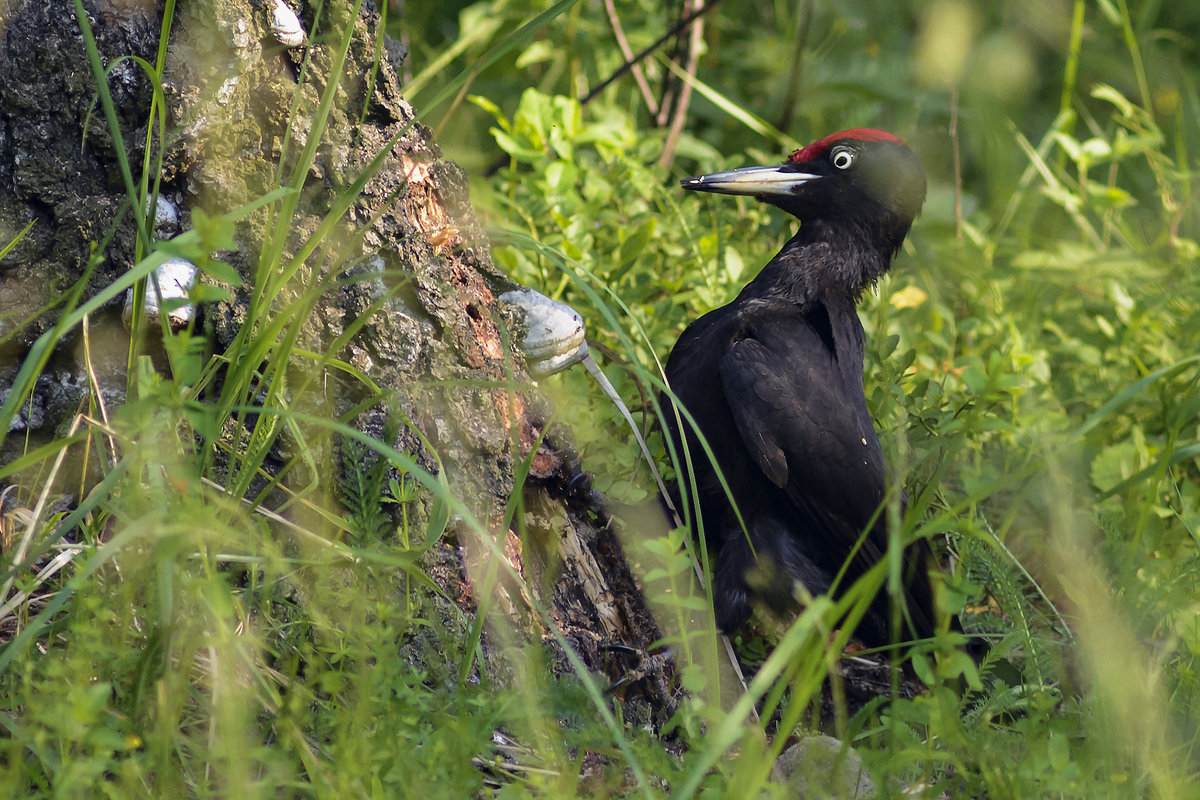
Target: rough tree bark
column 408, row 244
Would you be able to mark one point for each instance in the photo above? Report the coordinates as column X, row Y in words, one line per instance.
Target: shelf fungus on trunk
column 285, row 25
column 174, row 278
column 166, row 217
column 555, row 334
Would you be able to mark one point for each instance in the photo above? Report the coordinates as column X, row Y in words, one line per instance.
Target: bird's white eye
column 842, row 158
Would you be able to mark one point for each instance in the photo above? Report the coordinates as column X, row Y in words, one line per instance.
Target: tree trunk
column 409, row 298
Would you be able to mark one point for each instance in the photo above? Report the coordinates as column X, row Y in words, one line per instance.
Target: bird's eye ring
column 842, row 158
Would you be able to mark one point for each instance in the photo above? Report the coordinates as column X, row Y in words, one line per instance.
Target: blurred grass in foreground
column 1032, row 368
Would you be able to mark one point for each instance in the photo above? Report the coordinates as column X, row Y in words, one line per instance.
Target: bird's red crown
column 817, row 148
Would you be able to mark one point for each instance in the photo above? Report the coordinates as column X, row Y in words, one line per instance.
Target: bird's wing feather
column 759, row 401
column 799, row 418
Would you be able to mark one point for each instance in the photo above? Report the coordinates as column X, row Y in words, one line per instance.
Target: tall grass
column 1031, row 369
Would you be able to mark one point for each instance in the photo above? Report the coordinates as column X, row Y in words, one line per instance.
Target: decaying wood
column 435, row 340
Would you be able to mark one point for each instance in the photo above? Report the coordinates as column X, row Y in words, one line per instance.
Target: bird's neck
column 823, row 261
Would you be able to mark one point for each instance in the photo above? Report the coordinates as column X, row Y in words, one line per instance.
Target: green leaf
column 215, row 233
column 219, row 270
column 540, row 51
column 208, row 293
column 1103, row 91
column 1114, row 464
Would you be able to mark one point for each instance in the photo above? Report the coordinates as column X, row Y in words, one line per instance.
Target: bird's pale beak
column 775, row 181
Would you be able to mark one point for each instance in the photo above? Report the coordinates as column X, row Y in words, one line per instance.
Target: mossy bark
column 411, row 297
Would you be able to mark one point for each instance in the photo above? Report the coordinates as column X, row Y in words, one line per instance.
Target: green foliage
column 1030, row 359
column 1031, row 367
column 586, row 194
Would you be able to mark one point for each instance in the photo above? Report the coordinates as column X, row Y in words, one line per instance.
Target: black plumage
column 774, row 382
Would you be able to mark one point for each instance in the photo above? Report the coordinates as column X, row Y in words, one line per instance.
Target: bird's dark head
column 863, row 178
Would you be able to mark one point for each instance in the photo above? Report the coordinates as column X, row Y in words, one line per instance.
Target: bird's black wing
column 794, row 385
column 796, row 395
